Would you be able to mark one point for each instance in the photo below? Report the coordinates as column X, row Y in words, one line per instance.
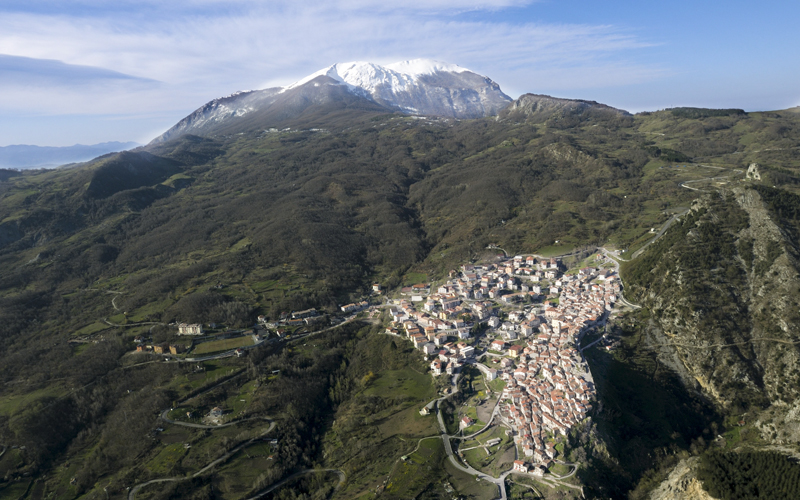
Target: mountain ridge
column 419, row 86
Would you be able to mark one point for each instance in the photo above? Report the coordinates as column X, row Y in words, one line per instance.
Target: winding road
column 132, row 493
column 339, row 473
column 499, row 481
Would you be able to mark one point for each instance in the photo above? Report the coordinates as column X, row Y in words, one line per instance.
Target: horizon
column 89, row 73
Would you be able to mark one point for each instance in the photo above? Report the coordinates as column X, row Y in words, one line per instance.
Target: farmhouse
column 187, row 329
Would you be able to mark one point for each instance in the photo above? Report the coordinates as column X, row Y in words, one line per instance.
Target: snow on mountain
column 418, row 86
column 416, row 67
column 369, row 76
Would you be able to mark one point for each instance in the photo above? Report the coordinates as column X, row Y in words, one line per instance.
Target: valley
column 318, row 275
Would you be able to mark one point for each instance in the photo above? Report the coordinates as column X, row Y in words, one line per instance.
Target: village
column 520, row 321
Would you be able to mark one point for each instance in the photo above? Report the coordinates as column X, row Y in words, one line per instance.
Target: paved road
column 495, row 411
column 613, row 259
column 593, row 343
column 500, row 481
column 571, row 473
column 684, row 184
column 660, row 233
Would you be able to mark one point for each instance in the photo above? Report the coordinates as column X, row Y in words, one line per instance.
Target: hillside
column 723, row 289
column 224, row 228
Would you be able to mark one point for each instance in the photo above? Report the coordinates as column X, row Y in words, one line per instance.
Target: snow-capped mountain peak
column 417, row 67
column 369, row 76
column 420, row 86
column 417, row 86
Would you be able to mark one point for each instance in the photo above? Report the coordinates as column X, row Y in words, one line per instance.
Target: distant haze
column 25, row 156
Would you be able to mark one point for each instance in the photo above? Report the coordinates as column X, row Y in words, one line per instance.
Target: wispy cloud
column 15, row 70
column 145, row 57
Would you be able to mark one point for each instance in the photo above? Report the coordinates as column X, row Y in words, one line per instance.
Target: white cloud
column 201, row 49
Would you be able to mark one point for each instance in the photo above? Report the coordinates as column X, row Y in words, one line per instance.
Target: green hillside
column 223, row 229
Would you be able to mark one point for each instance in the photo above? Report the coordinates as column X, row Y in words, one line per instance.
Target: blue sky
column 88, row 71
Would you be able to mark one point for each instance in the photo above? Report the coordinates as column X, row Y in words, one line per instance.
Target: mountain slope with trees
column 226, row 227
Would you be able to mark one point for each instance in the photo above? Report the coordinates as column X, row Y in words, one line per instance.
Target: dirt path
column 714, row 346
column 341, row 475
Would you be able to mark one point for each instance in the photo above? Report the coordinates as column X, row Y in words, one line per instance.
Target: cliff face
column 682, row 484
column 723, row 287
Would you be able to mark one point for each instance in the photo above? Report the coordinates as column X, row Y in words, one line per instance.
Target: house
column 519, row 466
column 465, row 422
column 428, row 408
column 176, row 349
column 510, row 334
column 498, row 345
column 538, row 470
column 239, row 352
column 307, row 313
column 419, row 340
column 161, row 349
column 515, row 350
column 491, row 374
column 187, row 329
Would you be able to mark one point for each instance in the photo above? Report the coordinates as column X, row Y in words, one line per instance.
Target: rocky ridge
column 723, row 291
column 420, row 87
column 681, row 484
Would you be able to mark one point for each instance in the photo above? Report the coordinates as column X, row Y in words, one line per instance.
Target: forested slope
column 224, row 228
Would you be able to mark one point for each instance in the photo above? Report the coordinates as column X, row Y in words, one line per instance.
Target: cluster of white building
column 549, row 388
column 548, row 384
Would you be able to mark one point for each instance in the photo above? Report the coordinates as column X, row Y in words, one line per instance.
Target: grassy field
column 12, row 403
column 418, row 473
column 497, row 385
column 399, row 383
column 240, row 474
column 212, row 371
column 414, row 278
column 97, row 326
column 500, row 459
column 223, row 345
column 492, row 432
column 15, row 489
column 466, row 485
column 167, row 459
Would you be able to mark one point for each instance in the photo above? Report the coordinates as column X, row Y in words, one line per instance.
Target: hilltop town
column 520, row 321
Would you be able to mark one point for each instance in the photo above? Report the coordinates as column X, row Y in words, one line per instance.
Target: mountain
column 539, row 108
column 420, row 87
column 226, row 220
column 24, row 156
